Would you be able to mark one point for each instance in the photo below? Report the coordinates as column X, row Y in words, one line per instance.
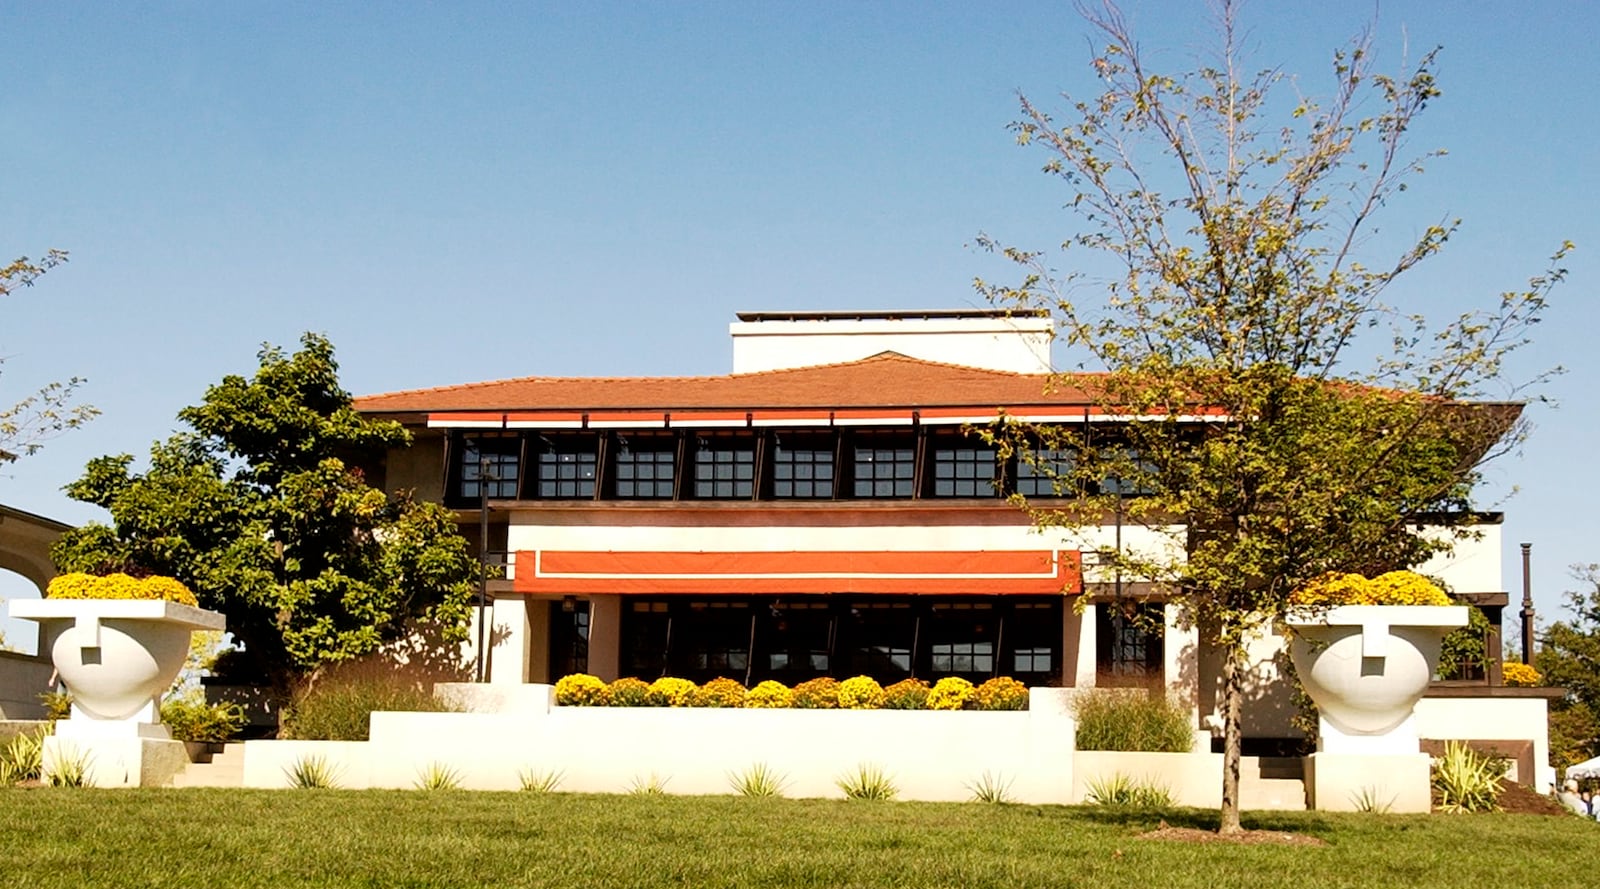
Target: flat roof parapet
column 893, row 315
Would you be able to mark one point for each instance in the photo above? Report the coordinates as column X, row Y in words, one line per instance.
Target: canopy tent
column 1589, row 768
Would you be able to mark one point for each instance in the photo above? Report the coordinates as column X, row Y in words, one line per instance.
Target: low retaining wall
column 1193, row 779
column 930, row 755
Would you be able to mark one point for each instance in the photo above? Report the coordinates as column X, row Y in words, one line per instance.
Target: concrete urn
column 1366, row 666
column 116, row 656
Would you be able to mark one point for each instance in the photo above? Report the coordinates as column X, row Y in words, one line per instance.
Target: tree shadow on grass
column 1201, row 819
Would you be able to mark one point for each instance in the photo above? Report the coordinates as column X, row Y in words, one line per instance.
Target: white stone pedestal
column 116, row 754
column 1350, row 782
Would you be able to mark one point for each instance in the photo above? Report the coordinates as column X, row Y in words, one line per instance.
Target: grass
column 1122, row 790
column 343, row 838
column 759, row 779
column 1131, row 719
column 312, row 772
column 867, row 781
column 541, row 780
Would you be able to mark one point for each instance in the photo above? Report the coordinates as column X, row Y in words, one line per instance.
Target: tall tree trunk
column 1232, row 704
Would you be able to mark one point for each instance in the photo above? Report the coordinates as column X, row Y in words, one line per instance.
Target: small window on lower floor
column 1129, row 643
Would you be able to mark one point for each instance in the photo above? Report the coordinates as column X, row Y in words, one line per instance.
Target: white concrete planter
column 116, row 656
column 1366, row 666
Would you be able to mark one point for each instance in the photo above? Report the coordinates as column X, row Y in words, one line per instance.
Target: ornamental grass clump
column 581, row 690
column 78, row 585
column 1465, row 780
column 720, row 692
column 860, row 693
column 769, row 695
column 669, row 691
column 628, row 692
column 1001, row 693
column 817, row 694
column 339, row 708
column 950, row 693
column 1125, row 792
column 907, row 694
column 869, row 782
column 188, row 717
column 1131, row 720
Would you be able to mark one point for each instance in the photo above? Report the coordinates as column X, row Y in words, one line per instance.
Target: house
column 821, row 511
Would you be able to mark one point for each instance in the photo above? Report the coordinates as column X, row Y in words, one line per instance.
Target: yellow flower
column 581, row 690
column 950, row 693
column 1520, row 674
column 769, row 694
column 860, row 693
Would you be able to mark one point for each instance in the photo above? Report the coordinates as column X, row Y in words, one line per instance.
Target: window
column 647, row 630
column 795, row 641
column 725, row 466
column 566, row 466
column 499, row 456
column 1129, row 646
column 961, row 639
column 881, row 635
column 802, row 467
column 1040, row 478
column 885, row 465
column 1138, row 480
column 963, row 469
column 1034, row 631
column 642, row 468
column 569, row 638
column 713, row 639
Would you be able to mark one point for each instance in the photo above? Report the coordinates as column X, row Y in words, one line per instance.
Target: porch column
column 605, row 636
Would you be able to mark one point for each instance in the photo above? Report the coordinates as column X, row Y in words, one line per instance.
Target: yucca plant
column 869, row 782
column 22, row 758
column 991, row 788
column 759, row 779
column 542, row 780
column 653, row 785
column 438, row 776
column 1121, row 790
column 312, row 771
column 1465, row 780
column 68, row 769
column 1371, row 801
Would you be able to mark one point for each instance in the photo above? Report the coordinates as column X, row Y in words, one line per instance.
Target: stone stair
column 225, row 769
column 1272, row 782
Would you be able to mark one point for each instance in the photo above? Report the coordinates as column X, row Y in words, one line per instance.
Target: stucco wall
column 22, row 679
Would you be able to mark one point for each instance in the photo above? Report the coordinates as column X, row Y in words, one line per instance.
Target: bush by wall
column 950, row 693
column 907, row 694
column 769, row 695
column 669, row 691
column 337, row 708
column 1001, row 693
column 1129, row 719
column 823, row 693
column 817, row 694
column 719, row 692
column 77, row 585
column 860, row 693
column 629, row 692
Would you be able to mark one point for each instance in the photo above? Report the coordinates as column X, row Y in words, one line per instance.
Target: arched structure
column 25, row 541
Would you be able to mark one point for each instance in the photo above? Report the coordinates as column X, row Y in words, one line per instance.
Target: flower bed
column 856, row 693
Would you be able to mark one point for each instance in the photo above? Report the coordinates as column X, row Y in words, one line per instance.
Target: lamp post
column 1527, row 608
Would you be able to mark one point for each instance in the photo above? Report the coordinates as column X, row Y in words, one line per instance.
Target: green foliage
column 1372, row 801
column 189, row 718
column 991, row 788
column 1247, row 291
column 22, row 758
column 262, row 509
column 1465, row 780
column 541, row 780
column 1463, row 652
column 438, row 776
column 68, row 768
column 26, row 425
column 1121, row 790
column 339, row 708
column 312, row 772
column 1117, row 719
column 759, row 779
column 1569, row 657
column 867, row 781
column 57, row 705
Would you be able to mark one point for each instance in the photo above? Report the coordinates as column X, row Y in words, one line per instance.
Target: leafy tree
column 26, row 425
column 1569, row 657
column 263, row 511
column 1267, row 438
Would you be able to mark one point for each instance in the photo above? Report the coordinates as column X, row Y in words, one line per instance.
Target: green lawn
column 205, row 839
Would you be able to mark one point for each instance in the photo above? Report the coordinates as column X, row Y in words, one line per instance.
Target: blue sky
column 469, row 191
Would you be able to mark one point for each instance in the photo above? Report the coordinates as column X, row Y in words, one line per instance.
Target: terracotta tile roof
column 885, row 379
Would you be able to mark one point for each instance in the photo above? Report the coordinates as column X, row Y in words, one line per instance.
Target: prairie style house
column 817, row 512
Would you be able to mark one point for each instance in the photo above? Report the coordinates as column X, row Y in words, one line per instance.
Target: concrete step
column 226, row 769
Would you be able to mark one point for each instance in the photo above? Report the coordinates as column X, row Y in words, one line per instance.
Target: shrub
column 670, row 691
column 720, row 692
column 541, row 780
column 1465, row 780
column 580, row 690
column 860, row 693
column 438, row 776
column 629, row 692
column 77, row 585
column 651, row 785
column 337, row 709
column 57, row 706
column 189, row 718
column 759, row 779
column 1121, row 790
column 1520, row 674
column 311, row 772
column 907, row 694
column 821, row 693
column 950, row 693
column 769, row 695
column 868, row 782
column 1393, row 588
column 1117, row 719
column 991, row 788
column 22, row 758
column 1001, row 693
